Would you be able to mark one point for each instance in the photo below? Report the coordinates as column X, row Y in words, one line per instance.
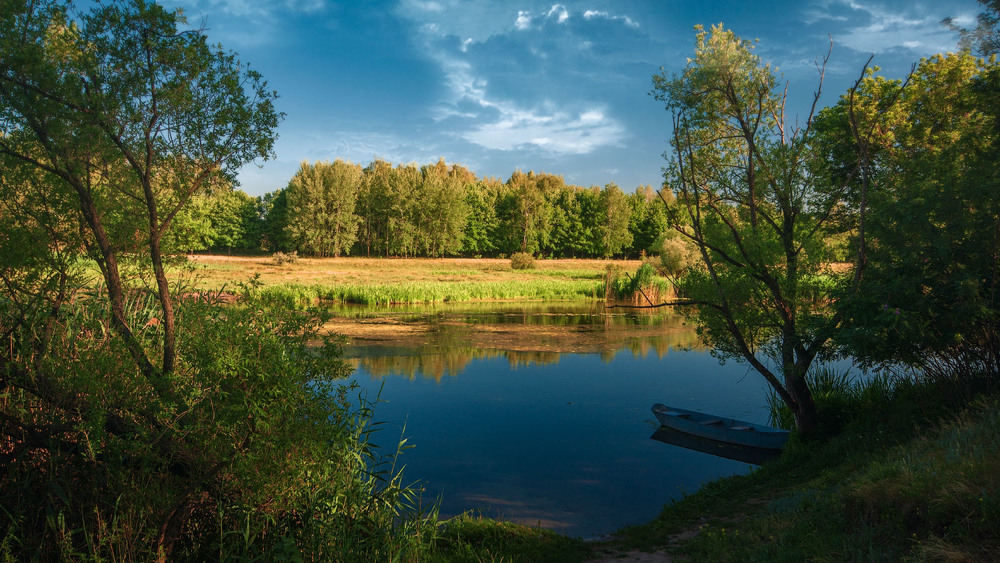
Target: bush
column 522, row 261
column 642, row 288
column 281, row 258
column 255, row 451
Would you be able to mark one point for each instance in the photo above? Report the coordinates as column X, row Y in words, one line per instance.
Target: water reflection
column 546, row 421
column 439, row 341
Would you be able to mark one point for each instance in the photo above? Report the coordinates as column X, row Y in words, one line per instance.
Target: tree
column 984, row 39
column 135, row 117
column 272, row 211
column 440, row 209
column 321, row 200
column 615, row 214
column 747, row 200
column 934, row 224
column 479, row 237
column 235, row 221
column 530, row 220
column 111, row 121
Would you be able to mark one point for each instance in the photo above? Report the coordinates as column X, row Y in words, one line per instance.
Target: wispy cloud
column 501, row 88
column 591, row 14
column 556, row 131
column 245, row 22
column 880, row 27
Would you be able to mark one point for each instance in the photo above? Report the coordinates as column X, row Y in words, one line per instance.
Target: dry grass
column 215, row 272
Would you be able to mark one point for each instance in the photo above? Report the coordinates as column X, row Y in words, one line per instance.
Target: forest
column 339, row 208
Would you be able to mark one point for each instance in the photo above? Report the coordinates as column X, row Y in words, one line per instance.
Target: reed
column 301, row 295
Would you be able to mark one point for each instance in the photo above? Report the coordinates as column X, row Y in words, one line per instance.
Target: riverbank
column 913, row 475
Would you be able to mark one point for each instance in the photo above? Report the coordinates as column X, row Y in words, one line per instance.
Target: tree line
column 339, row 208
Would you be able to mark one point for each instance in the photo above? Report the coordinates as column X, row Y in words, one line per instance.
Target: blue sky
column 562, row 87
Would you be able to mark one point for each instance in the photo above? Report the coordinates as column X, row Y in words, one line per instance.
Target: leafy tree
column 615, row 213
column 124, row 437
column 440, row 208
column 934, row 223
column 648, row 218
column 482, row 226
column 567, row 234
column 272, row 211
column 235, row 221
column 321, row 200
column 747, row 200
column 530, row 213
column 375, row 204
column 135, row 117
column 192, row 229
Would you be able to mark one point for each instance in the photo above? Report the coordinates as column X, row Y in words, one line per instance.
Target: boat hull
column 721, row 429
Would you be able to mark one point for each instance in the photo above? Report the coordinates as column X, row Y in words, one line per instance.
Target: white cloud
column 559, row 12
column 912, row 28
column 523, row 20
column 555, row 131
column 591, row 14
column 499, row 118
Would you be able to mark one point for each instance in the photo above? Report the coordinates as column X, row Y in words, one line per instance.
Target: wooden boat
column 721, row 429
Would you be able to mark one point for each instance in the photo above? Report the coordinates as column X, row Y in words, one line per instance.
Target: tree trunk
column 803, row 407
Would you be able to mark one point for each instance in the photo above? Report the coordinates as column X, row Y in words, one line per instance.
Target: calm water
column 556, row 440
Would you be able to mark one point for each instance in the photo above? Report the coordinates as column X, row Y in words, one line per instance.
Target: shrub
column 281, row 258
column 256, row 431
column 522, row 261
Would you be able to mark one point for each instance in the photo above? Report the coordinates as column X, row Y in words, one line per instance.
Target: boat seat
column 742, row 428
column 678, row 414
column 712, row 422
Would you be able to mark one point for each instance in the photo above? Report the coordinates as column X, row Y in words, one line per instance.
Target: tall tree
column 116, row 117
column 440, row 209
column 135, row 117
column 482, row 226
column 615, row 214
column 935, row 222
column 321, row 202
column 747, row 200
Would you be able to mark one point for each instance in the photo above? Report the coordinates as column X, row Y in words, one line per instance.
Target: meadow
column 382, row 281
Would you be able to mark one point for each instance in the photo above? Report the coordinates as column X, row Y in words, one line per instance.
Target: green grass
column 906, row 480
column 472, row 539
column 431, row 292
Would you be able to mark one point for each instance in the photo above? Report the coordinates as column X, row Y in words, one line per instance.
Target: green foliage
column 643, row 288
column 255, row 406
column 320, row 216
column 676, row 254
column 984, row 39
column 933, row 278
column 296, row 295
column 140, row 420
column 910, row 475
column 748, row 200
column 522, row 261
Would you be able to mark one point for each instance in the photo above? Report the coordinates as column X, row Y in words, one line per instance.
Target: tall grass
column 643, row 288
column 300, row 295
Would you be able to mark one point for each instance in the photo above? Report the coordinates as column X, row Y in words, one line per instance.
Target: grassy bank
column 908, row 472
column 910, row 475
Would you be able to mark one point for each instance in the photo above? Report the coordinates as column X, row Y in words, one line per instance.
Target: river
column 552, row 428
